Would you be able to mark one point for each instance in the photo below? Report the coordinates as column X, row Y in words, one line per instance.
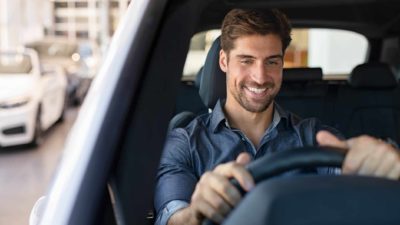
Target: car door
column 121, row 112
column 53, row 94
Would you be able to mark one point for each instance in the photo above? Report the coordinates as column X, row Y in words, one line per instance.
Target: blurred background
column 50, row 53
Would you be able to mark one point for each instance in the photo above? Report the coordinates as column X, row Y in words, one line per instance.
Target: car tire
column 64, row 109
column 38, row 132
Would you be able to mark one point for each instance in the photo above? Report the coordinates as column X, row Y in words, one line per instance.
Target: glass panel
column 337, row 52
column 11, row 63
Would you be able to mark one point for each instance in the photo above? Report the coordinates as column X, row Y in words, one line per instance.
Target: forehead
column 257, row 45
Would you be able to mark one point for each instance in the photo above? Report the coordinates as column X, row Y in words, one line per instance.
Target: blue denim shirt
column 209, row 141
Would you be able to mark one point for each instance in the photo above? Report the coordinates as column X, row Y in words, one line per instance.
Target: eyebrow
column 243, row 56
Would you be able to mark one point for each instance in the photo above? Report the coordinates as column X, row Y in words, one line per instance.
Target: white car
column 80, row 60
column 31, row 98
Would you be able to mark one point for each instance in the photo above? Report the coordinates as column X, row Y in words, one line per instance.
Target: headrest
column 372, row 75
column 213, row 80
column 302, row 74
column 197, row 81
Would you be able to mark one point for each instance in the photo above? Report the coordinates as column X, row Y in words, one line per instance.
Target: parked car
column 80, row 60
column 107, row 174
column 31, row 98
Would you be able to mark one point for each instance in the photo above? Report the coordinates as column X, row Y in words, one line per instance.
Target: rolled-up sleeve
column 176, row 178
column 171, row 208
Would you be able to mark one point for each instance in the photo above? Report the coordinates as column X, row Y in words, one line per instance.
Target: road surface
column 26, row 172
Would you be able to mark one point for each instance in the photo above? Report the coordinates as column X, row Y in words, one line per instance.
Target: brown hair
column 239, row 22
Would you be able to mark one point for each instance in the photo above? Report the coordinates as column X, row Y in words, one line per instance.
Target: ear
column 223, row 60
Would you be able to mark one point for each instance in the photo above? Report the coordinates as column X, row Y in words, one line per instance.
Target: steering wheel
column 280, row 162
column 314, row 200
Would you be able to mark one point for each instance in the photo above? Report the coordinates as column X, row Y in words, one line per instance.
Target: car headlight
column 15, row 102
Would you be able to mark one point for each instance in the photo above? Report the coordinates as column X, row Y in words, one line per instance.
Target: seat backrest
column 365, row 75
column 303, row 89
column 369, row 105
column 188, row 98
column 303, row 74
column 181, row 120
column 213, row 80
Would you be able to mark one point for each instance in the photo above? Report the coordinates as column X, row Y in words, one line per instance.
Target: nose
column 260, row 73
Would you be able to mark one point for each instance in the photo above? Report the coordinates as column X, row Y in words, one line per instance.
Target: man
column 199, row 160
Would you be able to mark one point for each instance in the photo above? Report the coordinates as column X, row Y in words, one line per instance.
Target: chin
column 256, row 108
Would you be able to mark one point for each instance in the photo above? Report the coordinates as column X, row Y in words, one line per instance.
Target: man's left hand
column 365, row 155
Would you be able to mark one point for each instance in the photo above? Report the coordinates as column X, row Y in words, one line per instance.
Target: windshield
column 14, row 63
column 63, row 50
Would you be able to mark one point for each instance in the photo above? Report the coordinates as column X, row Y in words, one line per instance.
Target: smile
column 256, row 90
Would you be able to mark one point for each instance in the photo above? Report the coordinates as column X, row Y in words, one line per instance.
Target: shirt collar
column 282, row 113
column 218, row 116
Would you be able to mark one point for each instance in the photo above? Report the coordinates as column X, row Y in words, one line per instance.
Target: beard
column 255, row 106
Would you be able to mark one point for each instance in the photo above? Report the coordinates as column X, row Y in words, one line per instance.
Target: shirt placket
column 249, row 145
column 264, row 141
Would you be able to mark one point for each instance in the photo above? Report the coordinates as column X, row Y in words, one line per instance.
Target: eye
column 273, row 62
column 246, row 61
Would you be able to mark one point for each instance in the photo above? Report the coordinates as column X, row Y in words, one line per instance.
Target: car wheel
column 38, row 132
column 64, row 109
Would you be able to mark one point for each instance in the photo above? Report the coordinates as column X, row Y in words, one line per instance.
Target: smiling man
column 198, row 160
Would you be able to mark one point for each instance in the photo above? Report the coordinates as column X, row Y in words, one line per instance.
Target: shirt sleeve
column 171, row 207
column 311, row 128
column 176, row 178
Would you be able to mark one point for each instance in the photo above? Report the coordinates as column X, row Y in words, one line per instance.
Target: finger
column 238, row 172
column 325, row 138
column 220, row 185
column 217, row 202
column 371, row 163
column 209, row 212
column 394, row 174
column 388, row 164
column 360, row 148
column 243, row 158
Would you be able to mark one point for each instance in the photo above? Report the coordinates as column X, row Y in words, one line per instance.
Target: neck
column 252, row 124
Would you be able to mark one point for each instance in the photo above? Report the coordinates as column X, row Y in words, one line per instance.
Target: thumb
column 243, row 158
column 325, row 138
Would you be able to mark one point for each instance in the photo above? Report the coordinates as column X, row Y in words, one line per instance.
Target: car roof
column 371, row 18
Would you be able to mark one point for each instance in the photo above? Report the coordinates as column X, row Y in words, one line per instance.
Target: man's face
column 253, row 71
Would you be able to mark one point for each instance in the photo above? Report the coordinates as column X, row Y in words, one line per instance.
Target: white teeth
column 256, row 90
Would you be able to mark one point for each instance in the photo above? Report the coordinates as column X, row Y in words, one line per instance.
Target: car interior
column 366, row 103
column 355, row 106
column 150, row 97
column 303, row 88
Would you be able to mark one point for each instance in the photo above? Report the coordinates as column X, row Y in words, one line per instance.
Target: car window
column 14, row 63
column 199, row 46
column 337, row 52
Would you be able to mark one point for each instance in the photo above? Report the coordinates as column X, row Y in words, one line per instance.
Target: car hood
column 62, row 61
column 15, row 85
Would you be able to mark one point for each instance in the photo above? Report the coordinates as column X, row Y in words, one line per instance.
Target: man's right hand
column 214, row 196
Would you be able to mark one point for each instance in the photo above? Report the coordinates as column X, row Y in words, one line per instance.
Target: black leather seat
column 370, row 103
column 213, row 81
column 303, row 89
column 188, row 98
